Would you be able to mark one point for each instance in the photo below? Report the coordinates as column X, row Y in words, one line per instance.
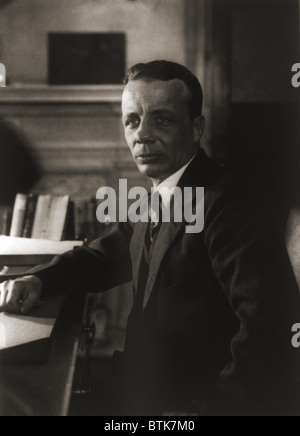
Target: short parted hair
column 166, row 71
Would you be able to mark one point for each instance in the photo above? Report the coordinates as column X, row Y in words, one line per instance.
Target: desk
column 45, row 389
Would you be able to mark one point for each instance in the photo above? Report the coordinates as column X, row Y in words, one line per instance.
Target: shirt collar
column 171, row 183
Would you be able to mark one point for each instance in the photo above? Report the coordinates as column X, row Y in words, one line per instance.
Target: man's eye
column 163, row 121
column 133, row 123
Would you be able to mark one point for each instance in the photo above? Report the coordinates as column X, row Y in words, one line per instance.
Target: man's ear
column 198, row 128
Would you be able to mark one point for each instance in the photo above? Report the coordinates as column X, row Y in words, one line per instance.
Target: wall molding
column 41, row 94
column 83, row 159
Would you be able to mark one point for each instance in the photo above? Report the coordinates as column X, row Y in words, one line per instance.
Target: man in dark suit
column 210, row 328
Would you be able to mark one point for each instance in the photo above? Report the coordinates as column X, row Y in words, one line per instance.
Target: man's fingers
column 9, row 297
column 31, row 300
column 21, row 295
column 33, row 290
column 13, row 298
column 3, row 295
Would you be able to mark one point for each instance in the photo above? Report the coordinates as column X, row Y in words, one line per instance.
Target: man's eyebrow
column 130, row 115
column 163, row 111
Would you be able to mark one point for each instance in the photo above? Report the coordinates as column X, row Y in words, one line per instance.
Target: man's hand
column 21, row 295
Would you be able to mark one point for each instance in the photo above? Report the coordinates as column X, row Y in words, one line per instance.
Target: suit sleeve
column 251, row 264
column 102, row 265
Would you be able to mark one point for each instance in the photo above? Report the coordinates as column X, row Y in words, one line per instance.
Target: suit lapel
column 167, row 235
column 137, row 249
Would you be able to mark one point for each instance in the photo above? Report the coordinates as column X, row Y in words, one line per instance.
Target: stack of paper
column 28, row 338
column 18, row 330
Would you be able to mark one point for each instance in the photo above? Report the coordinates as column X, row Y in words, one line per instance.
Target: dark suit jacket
column 216, row 328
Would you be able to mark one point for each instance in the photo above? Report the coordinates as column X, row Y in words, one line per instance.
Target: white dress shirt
column 170, row 183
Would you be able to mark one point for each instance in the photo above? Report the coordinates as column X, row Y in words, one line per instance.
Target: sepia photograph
column 149, row 210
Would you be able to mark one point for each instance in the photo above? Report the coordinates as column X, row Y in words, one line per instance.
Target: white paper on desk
column 18, row 330
column 22, row 246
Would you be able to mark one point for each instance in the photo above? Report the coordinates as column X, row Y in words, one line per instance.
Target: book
column 5, row 219
column 69, row 231
column 16, row 271
column 57, row 218
column 85, row 219
column 19, row 255
column 12, row 246
column 79, row 221
column 29, row 217
column 42, row 215
column 50, row 217
column 19, row 213
column 91, row 219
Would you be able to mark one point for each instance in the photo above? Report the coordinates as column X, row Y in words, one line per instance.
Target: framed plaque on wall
column 86, row 58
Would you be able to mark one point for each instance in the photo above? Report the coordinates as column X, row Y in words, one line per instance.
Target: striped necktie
column 155, row 221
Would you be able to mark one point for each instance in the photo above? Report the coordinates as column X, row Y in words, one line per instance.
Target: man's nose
column 145, row 134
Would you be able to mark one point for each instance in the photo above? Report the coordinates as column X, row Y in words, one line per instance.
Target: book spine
column 19, row 215
column 91, row 219
column 47, row 217
column 5, row 220
column 32, row 202
column 57, row 218
column 69, row 231
column 41, row 216
column 79, row 211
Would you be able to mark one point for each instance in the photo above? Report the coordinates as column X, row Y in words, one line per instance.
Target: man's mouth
column 148, row 158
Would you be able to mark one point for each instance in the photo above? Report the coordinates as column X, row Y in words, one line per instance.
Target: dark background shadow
column 19, row 171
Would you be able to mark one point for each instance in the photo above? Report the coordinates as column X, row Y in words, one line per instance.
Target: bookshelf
column 41, row 227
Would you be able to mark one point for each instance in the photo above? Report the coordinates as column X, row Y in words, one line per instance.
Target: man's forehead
column 156, row 91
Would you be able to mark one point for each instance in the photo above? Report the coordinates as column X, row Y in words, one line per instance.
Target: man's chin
column 152, row 171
